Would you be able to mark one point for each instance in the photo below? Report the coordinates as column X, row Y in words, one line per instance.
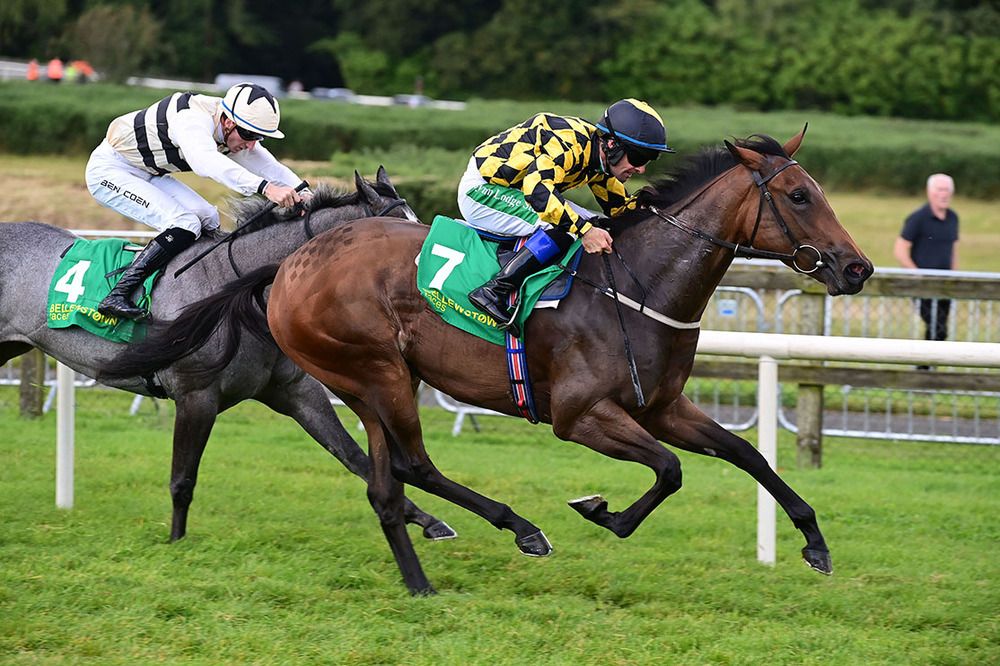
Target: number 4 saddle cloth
column 81, row 281
column 455, row 259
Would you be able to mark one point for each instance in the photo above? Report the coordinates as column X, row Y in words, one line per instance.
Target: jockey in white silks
column 217, row 138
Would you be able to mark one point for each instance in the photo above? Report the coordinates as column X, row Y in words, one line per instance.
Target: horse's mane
column 324, row 196
column 696, row 170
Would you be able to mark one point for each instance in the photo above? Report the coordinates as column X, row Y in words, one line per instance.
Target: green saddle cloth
column 455, row 260
column 79, row 285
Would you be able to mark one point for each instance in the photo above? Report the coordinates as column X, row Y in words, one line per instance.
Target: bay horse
column 368, row 335
column 201, row 386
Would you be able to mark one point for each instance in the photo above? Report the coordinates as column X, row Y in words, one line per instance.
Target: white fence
column 767, row 347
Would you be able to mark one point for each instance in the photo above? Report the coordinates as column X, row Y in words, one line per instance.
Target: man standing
column 929, row 240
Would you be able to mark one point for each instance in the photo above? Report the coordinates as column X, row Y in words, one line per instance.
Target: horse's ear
column 382, row 176
column 365, row 190
column 749, row 158
column 795, row 142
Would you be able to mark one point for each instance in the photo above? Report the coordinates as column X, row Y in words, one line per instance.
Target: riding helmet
column 635, row 125
column 254, row 109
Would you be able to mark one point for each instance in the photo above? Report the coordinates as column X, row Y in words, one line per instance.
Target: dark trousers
column 934, row 312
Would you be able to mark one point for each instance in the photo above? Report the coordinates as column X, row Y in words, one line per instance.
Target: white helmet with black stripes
column 254, row 110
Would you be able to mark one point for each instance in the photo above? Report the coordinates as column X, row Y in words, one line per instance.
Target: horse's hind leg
column 193, row 423
column 386, row 496
column 687, row 427
column 305, row 401
column 13, row 349
column 397, row 411
column 608, row 429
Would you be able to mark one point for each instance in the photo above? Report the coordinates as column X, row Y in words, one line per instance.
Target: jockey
column 515, row 181
column 215, row 138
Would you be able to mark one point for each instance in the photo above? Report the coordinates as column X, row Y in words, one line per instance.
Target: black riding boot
column 154, row 256
column 491, row 298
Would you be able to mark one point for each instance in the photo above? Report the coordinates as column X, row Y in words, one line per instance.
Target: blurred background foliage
column 907, row 58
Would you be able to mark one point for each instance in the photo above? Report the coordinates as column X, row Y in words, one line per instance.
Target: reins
column 251, row 225
column 748, row 251
column 628, row 345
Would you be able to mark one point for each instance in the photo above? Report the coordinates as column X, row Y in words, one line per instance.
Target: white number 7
column 453, row 259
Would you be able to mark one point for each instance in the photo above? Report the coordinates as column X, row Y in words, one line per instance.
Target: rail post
column 809, row 402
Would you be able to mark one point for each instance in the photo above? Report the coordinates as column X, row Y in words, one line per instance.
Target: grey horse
column 201, row 387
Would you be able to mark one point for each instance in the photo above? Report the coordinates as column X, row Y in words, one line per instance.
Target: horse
column 372, row 338
column 201, row 387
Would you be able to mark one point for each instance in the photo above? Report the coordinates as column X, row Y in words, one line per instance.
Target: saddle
column 455, row 259
column 88, row 271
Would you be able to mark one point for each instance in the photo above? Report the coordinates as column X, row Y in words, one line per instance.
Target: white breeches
column 160, row 202
column 503, row 218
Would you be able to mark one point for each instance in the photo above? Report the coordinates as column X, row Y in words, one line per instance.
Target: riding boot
column 153, row 257
column 491, row 298
column 119, row 302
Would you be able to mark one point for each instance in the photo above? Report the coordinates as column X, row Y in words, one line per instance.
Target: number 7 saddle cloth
column 455, row 259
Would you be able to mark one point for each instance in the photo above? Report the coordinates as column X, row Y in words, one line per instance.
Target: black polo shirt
column 933, row 238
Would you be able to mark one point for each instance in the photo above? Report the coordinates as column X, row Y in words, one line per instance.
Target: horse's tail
column 239, row 304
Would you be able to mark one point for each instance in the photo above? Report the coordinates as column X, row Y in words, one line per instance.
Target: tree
column 26, row 26
column 134, row 43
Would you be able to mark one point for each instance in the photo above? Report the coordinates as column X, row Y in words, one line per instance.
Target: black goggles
column 638, row 157
column 247, row 135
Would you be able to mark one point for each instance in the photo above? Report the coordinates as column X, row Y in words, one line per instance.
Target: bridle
column 748, row 251
column 389, row 207
column 307, row 224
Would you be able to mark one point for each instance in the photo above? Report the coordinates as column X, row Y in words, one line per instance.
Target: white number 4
column 71, row 283
column 453, row 258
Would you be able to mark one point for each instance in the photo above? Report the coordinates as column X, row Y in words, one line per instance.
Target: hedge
column 840, row 152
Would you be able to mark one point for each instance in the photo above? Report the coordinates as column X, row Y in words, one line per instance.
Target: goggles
column 638, row 157
column 247, row 135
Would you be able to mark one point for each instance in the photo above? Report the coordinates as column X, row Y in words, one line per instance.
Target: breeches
column 161, row 202
column 500, row 210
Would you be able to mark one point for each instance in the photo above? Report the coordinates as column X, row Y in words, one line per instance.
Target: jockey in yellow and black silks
column 514, row 186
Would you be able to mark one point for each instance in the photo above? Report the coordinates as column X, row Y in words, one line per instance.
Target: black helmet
column 637, row 129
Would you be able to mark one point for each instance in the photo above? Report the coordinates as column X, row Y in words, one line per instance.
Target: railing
column 949, row 404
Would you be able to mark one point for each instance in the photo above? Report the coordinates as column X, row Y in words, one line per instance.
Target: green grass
column 285, row 563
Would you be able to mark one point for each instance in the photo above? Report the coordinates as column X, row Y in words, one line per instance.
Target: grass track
column 285, row 563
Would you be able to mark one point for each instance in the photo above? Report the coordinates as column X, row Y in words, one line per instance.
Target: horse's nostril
column 857, row 272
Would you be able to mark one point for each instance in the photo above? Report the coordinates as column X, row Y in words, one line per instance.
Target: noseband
column 748, row 251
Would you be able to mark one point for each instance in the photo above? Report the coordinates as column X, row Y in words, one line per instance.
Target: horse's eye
column 799, row 196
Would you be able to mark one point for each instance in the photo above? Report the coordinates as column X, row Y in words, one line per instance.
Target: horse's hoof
column 589, row 506
column 439, row 531
column 818, row 560
column 534, row 545
column 428, row 591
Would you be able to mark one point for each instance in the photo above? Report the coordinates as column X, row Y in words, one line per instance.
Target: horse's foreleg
column 193, row 423
column 386, row 496
column 305, row 401
column 608, row 429
column 688, row 428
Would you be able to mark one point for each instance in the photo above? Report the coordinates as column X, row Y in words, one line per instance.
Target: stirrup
column 122, row 308
column 490, row 306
